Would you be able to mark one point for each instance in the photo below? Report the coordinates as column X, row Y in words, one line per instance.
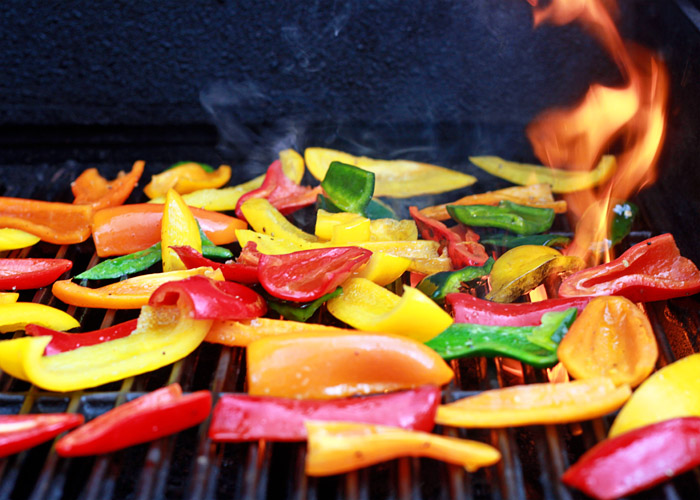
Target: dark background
column 102, row 84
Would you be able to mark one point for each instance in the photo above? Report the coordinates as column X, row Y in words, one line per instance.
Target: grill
column 189, row 465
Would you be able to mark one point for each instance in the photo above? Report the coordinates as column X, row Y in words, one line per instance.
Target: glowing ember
column 631, row 117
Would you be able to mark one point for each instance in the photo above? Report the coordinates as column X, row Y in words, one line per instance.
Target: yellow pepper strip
column 271, row 246
column 613, row 338
column 8, row 297
column 562, row 181
column 535, row 195
column 12, row 239
column 242, row 333
column 179, row 228
column 535, row 404
column 338, row 447
column 186, row 178
column 163, row 335
column 266, row 219
column 671, row 392
column 367, row 306
column 292, row 165
column 131, row 293
column 524, row 268
column 383, row 268
column 16, row 316
column 342, row 226
column 393, row 230
column 394, row 178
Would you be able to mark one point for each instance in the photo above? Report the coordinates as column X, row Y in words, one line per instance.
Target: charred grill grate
column 190, row 466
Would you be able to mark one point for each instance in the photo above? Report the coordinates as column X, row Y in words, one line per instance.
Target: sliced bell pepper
column 242, row 333
column 53, row 222
column 64, row 342
column 394, row 178
column 178, row 228
column 385, row 229
column 671, row 392
column 282, row 193
column 338, row 447
column 232, row 271
column 469, row 309
column 534, row 345
column 535, row 404
column 21, row 432
column 438, row 285
column 239, row 417
column 346, row 227
column 8, row 297
column 130, row 293
column 16, row 316
column 523, row 268
column 186, row 178
column 367, row 306
column 300, row 311
column 637, row 460
column 13, row 239
column 624, row 214
column 519, row 219
column 264, row 218
column 612, row 338
column 562, row 181
column 348, row 187
column 321, row 365
column 90, row 188
column 535, row 195
column 130, row 228
column 375, row 209
column 25, row 274
column 383, row 268
column 510, row 241
column 154, row 415
column 650, row 270
column 307, row 275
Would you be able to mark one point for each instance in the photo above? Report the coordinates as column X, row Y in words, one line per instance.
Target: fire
column 631, row 117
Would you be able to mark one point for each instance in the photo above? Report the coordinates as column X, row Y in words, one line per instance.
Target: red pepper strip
column 648, row 271
column 63, row 342
column 21, row 432
column 232, row 271
column 53, row 222
column 281, row 192
column 240, row 417
column 638, row 459
column 462, row 246
column 469, row 309
column 249, row 255
column 210, row 299
column 90, row 188
column 154, row 415
column 24, row 274
column 307, row 275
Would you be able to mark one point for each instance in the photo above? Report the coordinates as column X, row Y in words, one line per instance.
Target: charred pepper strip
column 53, row 222
column 534, row 345
column 519, row 219
column 240, row 417
column 64, row 342
column 21, row 432
column 25, row 274
column 437, row 286
column 157, row 414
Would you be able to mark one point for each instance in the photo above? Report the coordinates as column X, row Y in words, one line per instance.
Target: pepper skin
column 637, row 460
column 154, row 415
column 335, row 365
column 90, row 188
column 64, row 342
column 239, row 417
column 648, row 271
column 25, row 274
column 21, row 432
column 437, row 286
column 519, row 219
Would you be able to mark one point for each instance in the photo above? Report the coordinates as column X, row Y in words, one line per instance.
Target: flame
column 632, row 116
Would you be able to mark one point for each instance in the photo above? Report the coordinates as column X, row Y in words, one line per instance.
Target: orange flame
column 632, row 116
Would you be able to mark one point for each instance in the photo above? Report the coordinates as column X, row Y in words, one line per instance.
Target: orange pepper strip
column 338, row 447
column 53, row 222
column 130, row 228
column 536, row 404
column 90, row 188
column 612, row 338
column 131, row 293
column 242, row 333
column 186, row 178
column 323, row 365
column 536, row 195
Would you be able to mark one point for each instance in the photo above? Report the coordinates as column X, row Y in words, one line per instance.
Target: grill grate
column 189, row 465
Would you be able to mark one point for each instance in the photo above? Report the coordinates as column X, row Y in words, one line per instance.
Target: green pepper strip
column 438, row 285
column 510, row 241
column 534, row 345
column 350, row 188
column 622, row 221
column 376, row 209
column 295, row 311
column 507, row 215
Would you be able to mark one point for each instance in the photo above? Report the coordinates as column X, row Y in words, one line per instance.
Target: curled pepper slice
column 21, row 432
column 337, row 447
column 536, row 404
column 613, row 338
column 63, row 342
column 370, row 307
column 186, row 178
column 322, row 365
column 53, row 222
column 242, row 333
column 24, row 274
column 90, row 188
column 17, row 315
